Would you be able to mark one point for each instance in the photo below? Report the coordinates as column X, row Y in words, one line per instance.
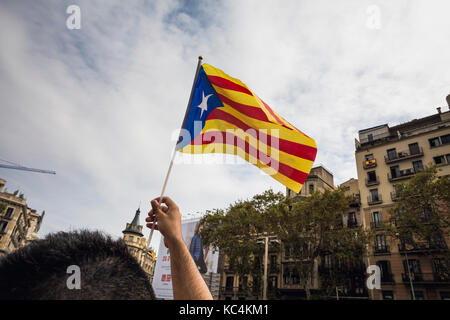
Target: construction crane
column 16, row 166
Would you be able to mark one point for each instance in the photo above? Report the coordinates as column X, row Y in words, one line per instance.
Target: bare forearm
column 187, row 282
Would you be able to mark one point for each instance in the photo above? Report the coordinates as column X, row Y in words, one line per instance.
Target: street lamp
column 265, row 241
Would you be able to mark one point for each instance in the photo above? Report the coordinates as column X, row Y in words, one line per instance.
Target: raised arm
column 187, row 283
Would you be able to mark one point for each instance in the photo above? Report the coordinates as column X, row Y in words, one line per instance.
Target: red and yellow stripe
column 246, row 126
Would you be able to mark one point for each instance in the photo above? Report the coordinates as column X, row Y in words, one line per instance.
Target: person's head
column 42, row 269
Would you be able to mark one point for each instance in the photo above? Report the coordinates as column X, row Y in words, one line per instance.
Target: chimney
column 448, row 101
column 439, row 110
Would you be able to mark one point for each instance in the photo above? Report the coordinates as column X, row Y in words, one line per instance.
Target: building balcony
column 422, row 247
column 380, row 250
column 369, row 164
column 427, row 278
column 373, row 200
column 372, row 182
column 355, row 200
column 403, row 174
column 403, row 155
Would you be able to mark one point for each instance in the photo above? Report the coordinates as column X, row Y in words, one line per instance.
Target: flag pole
column 199, row 64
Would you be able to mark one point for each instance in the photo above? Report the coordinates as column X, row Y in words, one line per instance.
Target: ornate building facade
column 137, row 244
column 19, row 224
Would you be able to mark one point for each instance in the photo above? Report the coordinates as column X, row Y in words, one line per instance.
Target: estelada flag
column 227, row 117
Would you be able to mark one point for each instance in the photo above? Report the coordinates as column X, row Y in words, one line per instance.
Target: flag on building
column 227, row 117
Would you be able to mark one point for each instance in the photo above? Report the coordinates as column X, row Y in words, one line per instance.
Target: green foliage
column 422, row 212
column 312, row 227
column 234, row 231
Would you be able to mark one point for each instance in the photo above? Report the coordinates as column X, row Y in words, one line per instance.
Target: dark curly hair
column 107, row 269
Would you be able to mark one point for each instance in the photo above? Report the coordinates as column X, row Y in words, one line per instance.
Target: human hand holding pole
column 187, row 282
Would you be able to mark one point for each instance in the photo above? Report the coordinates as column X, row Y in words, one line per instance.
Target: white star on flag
column 204, row 104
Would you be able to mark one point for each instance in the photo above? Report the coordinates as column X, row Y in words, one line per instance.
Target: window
column 414, row 268
column 3, row 225
column 9, row 213
column 447, row 157
column 273, row 260
column 369, row 157
column 273, row 283
column 290, row 275
column 418, row 166
column 434, row 142
column 385, row 268
column 439, row 160
column 395, row 171
column 370, row 137
column 392, row 154
column 311, row 188
column 376, row 219
column 387, row 295
column 351, row 219
column 229, row 283
column 374, row 195
column 371, row 176
column 380, row 242
column 414, row 148
column 445, row 139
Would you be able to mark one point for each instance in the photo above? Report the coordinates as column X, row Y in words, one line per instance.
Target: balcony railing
column 427, row 277
column 419, row 247
column 372, row 182
column 381, row 249
column 403, row 174
column 403, row 155
column 372, row 200
column 355, row 200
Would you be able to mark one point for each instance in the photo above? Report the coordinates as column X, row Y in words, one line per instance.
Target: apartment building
column 386, row 156
column 19, row 224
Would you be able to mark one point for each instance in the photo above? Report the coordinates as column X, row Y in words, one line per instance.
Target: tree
column 421, row 216
column 313, row 228
column 234, row 231
column 309, row 229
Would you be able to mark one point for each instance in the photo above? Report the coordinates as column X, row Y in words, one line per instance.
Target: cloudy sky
column 99, row 104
